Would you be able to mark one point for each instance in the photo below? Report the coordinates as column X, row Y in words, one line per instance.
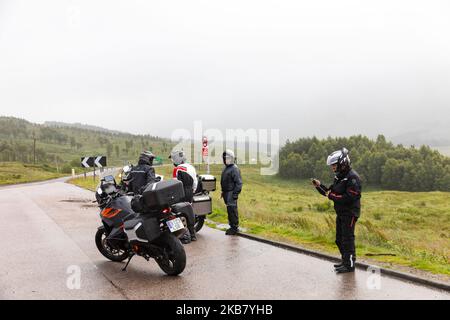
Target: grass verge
column 14, row 173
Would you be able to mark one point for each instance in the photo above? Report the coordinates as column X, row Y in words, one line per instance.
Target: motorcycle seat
column 181, row 207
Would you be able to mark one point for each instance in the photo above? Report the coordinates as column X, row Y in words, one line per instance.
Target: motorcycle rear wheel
column 199, row 222
column 109, row 253
column 174, row 261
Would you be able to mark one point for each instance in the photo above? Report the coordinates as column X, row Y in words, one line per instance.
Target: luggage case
column 208, row 182
column 163, row 194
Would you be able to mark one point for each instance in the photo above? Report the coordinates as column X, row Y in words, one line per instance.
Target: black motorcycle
column 144, row 225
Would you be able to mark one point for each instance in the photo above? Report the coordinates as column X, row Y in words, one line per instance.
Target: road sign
column 205, row 149
column 100, row 162
column 87, row 162
column 158, row 161
column 205, row 152
column 90, row 162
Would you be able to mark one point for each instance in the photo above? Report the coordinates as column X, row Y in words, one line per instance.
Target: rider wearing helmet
column 187, row 174
column 142, row 174
column 345, row 192
column 231, row 183
column 184, row 172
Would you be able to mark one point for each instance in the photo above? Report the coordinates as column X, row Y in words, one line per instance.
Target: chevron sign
column 89, row 162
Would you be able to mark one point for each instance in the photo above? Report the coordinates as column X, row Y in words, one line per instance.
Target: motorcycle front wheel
column 173, row 261
column 116, row 255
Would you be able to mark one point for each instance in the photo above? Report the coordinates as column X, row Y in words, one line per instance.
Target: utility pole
column 34, row 147
column 56, row 162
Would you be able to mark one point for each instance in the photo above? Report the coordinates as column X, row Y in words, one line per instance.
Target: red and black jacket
column 345, row 193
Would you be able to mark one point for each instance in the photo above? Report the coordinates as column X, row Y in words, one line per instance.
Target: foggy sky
column 322, row 67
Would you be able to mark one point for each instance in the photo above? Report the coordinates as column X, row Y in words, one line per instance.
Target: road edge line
column 360, row 265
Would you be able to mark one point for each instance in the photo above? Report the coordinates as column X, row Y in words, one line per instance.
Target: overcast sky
column 321, row 67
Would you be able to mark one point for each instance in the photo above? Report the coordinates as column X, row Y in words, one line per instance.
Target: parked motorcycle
column 152, row 231
column 202, row 202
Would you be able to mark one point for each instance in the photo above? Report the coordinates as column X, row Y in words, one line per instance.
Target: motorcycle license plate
column 175, row 225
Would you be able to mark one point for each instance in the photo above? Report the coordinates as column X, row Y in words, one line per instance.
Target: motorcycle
column 202, row 202
column 126, row 233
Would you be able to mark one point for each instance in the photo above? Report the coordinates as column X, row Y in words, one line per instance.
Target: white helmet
column 228, row 157
column 340, row 158
column 178, row 157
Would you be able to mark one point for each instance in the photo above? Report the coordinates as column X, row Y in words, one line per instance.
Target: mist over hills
column 81, row 126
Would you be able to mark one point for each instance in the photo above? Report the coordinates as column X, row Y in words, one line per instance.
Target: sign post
column 205, row 152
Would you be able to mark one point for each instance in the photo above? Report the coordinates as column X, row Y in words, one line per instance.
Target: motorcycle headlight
column 110, row 189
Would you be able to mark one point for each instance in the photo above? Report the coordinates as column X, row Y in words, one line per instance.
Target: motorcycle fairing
column 117, row 212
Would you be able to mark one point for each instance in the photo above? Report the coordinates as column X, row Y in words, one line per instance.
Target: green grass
column 414, row 227
column 87, row 183
column 13, row 173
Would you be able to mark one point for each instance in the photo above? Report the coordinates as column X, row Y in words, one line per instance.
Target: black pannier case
column 163, row 194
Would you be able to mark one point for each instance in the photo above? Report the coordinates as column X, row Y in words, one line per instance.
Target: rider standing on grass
column 345, row 192
column 231, row 183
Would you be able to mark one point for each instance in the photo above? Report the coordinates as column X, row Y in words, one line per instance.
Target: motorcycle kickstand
column 129, row 260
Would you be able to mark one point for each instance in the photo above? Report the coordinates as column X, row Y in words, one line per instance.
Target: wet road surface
column 49, row 227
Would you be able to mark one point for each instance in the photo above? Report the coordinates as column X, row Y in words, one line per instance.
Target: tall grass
column 13, row 172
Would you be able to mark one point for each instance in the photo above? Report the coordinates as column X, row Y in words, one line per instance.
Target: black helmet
column 146, row 157
column 340, row 158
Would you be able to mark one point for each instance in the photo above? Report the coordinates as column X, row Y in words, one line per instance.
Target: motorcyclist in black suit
column 142, row 174
column 345, row 192
column 231, row 184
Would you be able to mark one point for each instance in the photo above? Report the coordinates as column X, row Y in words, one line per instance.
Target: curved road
column 48, row 227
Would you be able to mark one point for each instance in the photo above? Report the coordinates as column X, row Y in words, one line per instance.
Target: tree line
column 378, row 162
column 63, row 146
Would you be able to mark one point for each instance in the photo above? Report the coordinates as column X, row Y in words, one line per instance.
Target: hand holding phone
column 315, row 182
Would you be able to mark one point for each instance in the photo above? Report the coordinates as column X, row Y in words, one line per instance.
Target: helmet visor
column 334, row 158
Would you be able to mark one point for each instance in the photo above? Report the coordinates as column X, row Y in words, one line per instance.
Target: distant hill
column 433, row 135
column 63, row 145
column 80, row 126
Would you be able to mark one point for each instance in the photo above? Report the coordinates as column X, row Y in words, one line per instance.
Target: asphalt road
column 48, row 229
